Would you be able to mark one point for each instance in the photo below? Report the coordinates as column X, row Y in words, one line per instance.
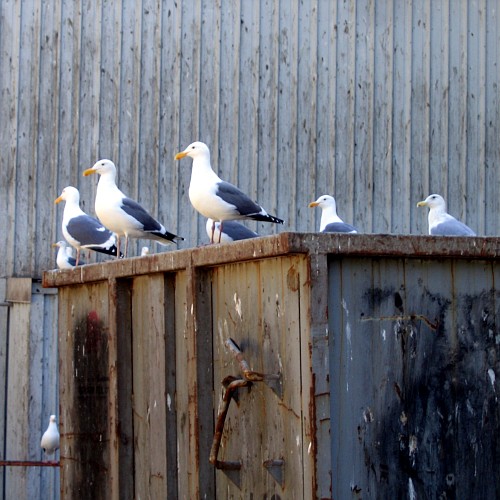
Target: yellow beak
column 55, row 244
column 180, row 155
column 422, row 204
column 89, row 171
column 313, row 204
column 58, row 200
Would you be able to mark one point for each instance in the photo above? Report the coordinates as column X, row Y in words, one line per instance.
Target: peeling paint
column 237, row 305
column 492, row 376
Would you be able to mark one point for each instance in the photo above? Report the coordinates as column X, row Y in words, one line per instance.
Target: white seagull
column 330, row 221
column 81, row 230
column 120, row 214
column 233, row 231
column 214, row 198
column 440, row 222
column 50, row 438
column 65, row 259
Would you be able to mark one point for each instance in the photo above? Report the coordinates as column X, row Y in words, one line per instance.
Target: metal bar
column 29, row 463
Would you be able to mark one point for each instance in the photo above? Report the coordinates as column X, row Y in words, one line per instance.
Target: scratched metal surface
column 414, row 361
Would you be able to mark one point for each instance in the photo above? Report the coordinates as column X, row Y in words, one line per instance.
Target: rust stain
column 292, row 279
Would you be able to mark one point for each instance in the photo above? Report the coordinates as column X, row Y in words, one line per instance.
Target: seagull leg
column 77, row 256
column 220, row 231
column 126, row 245
column 213, row 232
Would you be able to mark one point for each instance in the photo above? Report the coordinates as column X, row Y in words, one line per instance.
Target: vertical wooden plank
column 111, row 63
column 457, row 149
column 345, row 90
column 364, row 67
column 492, row 118
column 285, row 185
column 209, row 44
column 420, row 77
column 170, row 197
column 383, row 101
column 149, row 408
column 10, row 28
column 28, row 95
column 401, row 133
column 147, row 166
column 268, row 109
column 237, row 53
column 171, row 387
column 69, row 172
column 327, row 104
column 189, row 104
column 243, row 54
column 46, row 145
column 439, row 105
column 187, row 411
column 18, row 383
column 83, row 390
column 474, row 210
column 307, row 112
column 121, row 411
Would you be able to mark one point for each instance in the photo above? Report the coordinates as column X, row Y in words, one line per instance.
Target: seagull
column 50, row 438
column 65, row 259
column 120, row 214
column 81, row 230
column 216, row 199
column 233, row 231
column 330, row 221
column 440, row 222
column 144, row 251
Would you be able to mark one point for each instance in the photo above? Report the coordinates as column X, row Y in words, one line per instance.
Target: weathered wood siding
column 29, row 393
column 379, row 103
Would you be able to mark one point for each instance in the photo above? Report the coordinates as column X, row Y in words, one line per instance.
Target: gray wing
column 339, row 227
column 88, row 231
column 234, row 196
column 237, row 231
column 135, row 210
column 452, row 228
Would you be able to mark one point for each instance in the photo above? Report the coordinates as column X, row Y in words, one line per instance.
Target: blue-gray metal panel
column 413, row 378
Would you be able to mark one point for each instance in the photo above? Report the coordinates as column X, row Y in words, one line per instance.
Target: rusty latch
column 231, row 385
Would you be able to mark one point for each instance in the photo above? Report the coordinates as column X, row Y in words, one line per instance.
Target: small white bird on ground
column 330, row 221
column 65, row 259
column 81, row 230
column 440, row 222
column 50, row 438
column 233, row 231
column 120, row 214
column 214, row 198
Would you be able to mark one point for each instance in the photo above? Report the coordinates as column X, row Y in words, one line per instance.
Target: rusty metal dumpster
column 373, row 357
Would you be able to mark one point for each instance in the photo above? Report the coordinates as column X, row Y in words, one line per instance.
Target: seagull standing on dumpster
column 81, row 230
column 120, row 214
column 216, row 199
column 442, row 223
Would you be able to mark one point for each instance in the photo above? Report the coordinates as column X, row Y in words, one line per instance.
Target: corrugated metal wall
column 378, row 102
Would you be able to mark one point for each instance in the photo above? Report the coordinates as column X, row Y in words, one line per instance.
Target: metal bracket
column 277, row 470
column 231, row 385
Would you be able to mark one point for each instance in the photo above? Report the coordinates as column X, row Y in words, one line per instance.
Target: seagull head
column 433, row 201
column 52, row 418
column 60, row 244
column 194, row 150
column 324, row 201
column 69, row 193
column 101, row 167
